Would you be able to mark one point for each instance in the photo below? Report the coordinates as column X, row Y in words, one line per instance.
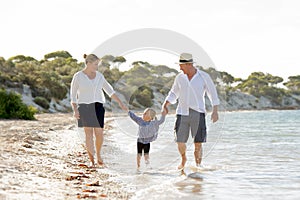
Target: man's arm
column 165, row 107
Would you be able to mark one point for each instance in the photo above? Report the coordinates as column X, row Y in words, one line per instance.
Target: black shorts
column 91, row 115
column 141, row 147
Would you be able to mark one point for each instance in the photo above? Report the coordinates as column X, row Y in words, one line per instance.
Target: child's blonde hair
column 151, row 112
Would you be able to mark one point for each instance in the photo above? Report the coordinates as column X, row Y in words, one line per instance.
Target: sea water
column 248, row 155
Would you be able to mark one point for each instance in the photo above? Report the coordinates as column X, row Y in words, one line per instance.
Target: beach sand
column 45, row 159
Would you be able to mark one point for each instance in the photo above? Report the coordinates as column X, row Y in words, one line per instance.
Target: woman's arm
column 75, row 111
column 110, row 92
column 117, row 99
column 73, row 95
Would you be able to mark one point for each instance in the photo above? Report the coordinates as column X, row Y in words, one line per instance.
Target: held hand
column 165, row 107
column 214, row 116
column 164, row 111
column 76, row 114
column 123, row 107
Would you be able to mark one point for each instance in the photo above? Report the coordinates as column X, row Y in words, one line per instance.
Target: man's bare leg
column 182, row 150
column 198, row 153
column 99, row 142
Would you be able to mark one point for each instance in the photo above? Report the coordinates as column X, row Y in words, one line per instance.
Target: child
column 148, row 131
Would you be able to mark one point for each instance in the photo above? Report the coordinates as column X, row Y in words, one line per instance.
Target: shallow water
column 248, row 155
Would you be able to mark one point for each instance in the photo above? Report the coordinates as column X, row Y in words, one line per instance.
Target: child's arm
column 161, row 120
column 163, row 116
column 135, row 118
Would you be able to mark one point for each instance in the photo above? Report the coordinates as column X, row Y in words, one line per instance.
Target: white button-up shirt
column 85, row 90
column 191, row 93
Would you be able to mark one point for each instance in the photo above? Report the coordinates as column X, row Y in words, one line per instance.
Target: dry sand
column 44, row 159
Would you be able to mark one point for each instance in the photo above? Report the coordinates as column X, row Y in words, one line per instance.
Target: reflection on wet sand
column 191, row 184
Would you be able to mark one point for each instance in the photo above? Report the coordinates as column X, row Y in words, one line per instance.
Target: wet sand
column 45, row 159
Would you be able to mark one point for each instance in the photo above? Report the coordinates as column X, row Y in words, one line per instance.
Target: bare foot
column 91, row 165
column 183, row 161
column 180, row 167
column 198, row 161
column 100, row 162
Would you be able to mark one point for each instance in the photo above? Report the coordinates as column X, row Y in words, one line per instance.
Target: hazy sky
column 240, row 36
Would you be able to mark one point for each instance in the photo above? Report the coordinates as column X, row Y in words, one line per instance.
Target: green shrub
column 12, row 107
column 41, row 101
column 145, row 96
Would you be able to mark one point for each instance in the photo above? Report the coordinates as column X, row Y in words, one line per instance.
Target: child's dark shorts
column 141, row 147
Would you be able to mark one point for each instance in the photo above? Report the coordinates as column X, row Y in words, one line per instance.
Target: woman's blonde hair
column 152, row 113
column 90, row 58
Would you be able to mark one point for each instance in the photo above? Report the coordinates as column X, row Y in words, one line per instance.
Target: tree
column 119, row 59
column 273, row 80
column 108, row 58
column 162, row 70
column 143, row 96
column 227, row 78
column 113, row 75
column 252, row 84
column 21, row 58
column 57, row 54
column 293, row 84
column 52, row 83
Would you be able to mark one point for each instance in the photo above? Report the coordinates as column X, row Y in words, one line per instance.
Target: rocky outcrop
column 241, row 101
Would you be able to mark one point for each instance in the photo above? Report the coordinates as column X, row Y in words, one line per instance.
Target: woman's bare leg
column 89, row 141
column 99, row 142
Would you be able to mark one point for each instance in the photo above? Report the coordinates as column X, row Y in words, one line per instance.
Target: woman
column 87, row 100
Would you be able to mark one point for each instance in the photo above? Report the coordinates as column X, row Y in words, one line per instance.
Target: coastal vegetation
column 11, row 106
column 49, row 79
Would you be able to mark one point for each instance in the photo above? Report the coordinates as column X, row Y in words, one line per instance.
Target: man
column 190, row 87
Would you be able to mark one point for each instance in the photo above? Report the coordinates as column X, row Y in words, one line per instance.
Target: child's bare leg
column 147, row 158
column 138, row 160
column 146, row 154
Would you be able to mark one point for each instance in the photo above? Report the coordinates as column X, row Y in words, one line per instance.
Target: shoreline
column 42, row 159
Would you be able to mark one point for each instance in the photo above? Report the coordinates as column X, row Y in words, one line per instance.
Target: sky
column 240, row 36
